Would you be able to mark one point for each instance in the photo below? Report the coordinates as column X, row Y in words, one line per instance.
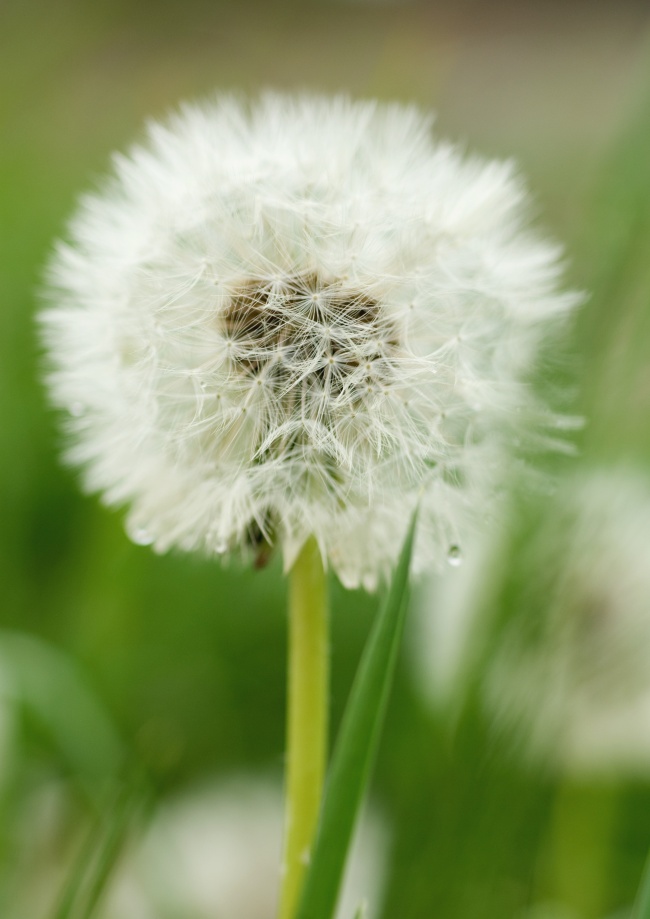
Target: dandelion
column 287, row 324
column 296, row 320
column 205, row 846
column 566, row 671
column 575, row 679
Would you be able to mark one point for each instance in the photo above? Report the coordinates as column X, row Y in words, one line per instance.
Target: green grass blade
column 75, row 880
column 355, row 748
column 641, row 908
column 97, row 859
column 107, row 856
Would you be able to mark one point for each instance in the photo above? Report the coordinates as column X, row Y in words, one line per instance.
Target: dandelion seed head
column 571, row 675
column 278, row 320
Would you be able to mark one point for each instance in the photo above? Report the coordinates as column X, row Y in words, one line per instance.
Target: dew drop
column 454, row 557
column 140, row 535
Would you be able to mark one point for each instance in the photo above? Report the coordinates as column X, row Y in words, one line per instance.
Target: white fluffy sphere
column 574, row 679
column 298, row 317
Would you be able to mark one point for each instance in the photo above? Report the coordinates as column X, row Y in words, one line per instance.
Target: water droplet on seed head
column 140, row 535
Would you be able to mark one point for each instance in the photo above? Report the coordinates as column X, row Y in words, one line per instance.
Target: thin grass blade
column 641, row 908
column 97, row 859
column 355, row 748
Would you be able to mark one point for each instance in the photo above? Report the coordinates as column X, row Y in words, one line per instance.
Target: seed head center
column 309, row 332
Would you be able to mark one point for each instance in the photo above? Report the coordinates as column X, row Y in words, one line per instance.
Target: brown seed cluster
column 304, row 327
column 309, row 340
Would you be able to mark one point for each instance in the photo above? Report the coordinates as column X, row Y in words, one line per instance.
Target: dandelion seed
column 343, row 331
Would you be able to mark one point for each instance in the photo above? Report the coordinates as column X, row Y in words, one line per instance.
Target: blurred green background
column 187, row 657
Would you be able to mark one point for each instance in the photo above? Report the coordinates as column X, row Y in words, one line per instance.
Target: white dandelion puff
column 203, row 848
column 300, row 317
column 577, row 678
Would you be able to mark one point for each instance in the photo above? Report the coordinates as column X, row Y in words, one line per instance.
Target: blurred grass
column 614, row 331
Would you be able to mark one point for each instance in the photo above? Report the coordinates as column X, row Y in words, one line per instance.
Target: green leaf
column 641, row 908
column 47, row 683
column 356, row 747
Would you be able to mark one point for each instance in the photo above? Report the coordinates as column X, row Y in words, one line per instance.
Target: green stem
column 580, row 846
column 307, row 718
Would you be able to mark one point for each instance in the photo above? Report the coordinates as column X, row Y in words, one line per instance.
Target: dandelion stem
column 307, row 718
